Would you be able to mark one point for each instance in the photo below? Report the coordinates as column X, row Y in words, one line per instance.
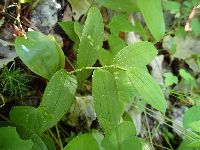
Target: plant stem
column 71, row 65
column 148, row 128
column 59, row 139
column 51, row 133
column 93, row 68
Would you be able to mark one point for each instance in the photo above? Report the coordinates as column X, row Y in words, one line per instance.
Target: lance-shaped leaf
column 40, row 53
column 105, row 57
column 147, row 88
column 10, row 140
column 120, row 23
column 109, row 96
column 90, row 43
column 83, row 142
column 116, row 43
column 68, row 27
column 57, row 99
column 153, row 16
column 119, row 5
column 135, row 55
column 122, row 137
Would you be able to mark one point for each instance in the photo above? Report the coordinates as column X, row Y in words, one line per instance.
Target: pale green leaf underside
column 135, row 55
column 10, row 140
column 82, row 142
column 57, row 99
column 90, row 43
column 122, row 138
column 153, row 16
column 40, row 53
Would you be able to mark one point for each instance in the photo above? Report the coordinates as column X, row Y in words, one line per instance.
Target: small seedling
column 14, row 81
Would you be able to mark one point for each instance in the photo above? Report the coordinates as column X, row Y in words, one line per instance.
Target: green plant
column 14, row 81
column 120, row 76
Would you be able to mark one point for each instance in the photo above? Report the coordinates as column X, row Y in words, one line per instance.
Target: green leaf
column 48, row 142
column 120, row 23
column 171, row 6
column 147, row 88
column 188, row 78
column 116, row 44
column 191, row 119
column 90, row 43
column 40, row 53
column 119, row 5
column 153, row 16
column 57, row 99
column 82, row 142
column 98, row 137
column 124, row 88
column 185, row 145
column 59, row 94
column 106, row 101
column 195, row 26
column 78, row 29
column 170, row 79
column 80, row 7
column 31, row 118
column 39, row 142
column 122, row 138
column 135, row 55
column 10, row 140
column 105, row 57
column 138, row 28
column 111, row 92
column 68, row 27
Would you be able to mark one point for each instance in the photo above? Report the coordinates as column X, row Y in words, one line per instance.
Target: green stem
column 59, row 139
column 51, row 133
column 93, row 68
